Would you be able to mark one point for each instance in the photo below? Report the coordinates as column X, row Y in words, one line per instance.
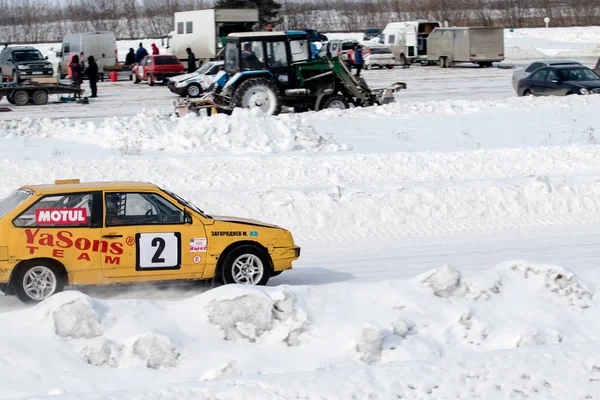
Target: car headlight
column 584, row 91
column 22, row 66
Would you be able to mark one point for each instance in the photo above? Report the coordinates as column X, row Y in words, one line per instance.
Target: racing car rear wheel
column 37, row 280
column 193, row 90
column 246, row 265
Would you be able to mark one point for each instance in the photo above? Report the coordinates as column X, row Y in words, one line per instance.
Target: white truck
column 408, row 40
column 100, row 44
column 204, row 31
column 479, row 45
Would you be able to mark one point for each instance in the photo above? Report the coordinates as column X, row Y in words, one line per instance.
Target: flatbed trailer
column 21, row 94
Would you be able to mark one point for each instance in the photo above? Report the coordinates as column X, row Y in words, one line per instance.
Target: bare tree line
column 30, row 21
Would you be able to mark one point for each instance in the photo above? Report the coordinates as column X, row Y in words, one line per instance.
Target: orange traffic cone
column 113, row 76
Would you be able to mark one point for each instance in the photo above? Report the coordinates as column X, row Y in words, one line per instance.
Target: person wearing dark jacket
column 140, row 53
column 76, row 73
column 358, row 59
column 130, row 57
column 191, row 60
column 92, row 73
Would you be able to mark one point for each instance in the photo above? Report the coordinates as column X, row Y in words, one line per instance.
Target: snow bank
column 236, row 331
column 549, row 373
column 244, row 132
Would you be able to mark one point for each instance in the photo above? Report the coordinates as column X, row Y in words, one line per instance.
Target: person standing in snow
column 191, row 60
column 130, row 57
column 76, row 73
column 358, row 59
column 140, row 53
column 155, row 50
column 92, row 73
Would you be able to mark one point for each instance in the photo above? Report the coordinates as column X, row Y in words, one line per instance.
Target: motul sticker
column 61, row 216
column 197, row 245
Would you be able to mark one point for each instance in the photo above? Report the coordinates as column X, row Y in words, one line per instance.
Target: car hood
column 45, row 62
column 585, row 84
column 244, row 221
column 180, row 78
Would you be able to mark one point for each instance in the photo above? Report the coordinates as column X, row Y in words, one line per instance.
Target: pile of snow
column 246, row 131
column 235, row 331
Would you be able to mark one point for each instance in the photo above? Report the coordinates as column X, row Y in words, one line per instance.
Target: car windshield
column 166, row 61
column 380, row 50
column 27, row 55
column 577, row 74
column 205, row 68
column 186, row 203
column 372, row 31
column 12, row 201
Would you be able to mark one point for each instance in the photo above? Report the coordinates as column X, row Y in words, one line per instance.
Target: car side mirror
column 556, row 81
column 45, row 58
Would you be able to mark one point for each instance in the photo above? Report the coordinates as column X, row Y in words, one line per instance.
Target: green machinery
column 272, row 70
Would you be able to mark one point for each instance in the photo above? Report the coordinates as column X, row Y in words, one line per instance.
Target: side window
column 551, row 75
column 148, row 61
column 66, row 48
column 392, row 39
column 533, row 67
column 299, row 50
column 124, row 209
column 64, row 210
column 180, row 28
column 252, row 56
column 189, row 27
column 277, row 54
column 539, row 75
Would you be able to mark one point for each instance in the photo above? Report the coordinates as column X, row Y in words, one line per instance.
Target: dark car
column 560, row 81
column 21, row 62
column 315, row 36
column 370, row 33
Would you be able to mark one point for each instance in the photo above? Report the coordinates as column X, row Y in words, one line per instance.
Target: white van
column 102, row 45
column 408, row 40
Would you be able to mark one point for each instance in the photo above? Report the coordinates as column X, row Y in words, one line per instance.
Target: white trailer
column 407, row 40
column 203, row 31
column 479, row 45
column 100, row 44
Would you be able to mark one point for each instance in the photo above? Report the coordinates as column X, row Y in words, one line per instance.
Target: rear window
column 12, row 201
column 380, row 50
column 166, row 61
column 348, row 45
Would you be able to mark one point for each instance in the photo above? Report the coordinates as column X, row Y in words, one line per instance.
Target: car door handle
column 112, row 236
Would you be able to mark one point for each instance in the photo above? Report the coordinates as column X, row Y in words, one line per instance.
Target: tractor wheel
column 259, row 93
column 335, row 101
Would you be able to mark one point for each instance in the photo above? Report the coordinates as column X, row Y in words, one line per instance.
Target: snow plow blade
column 386, row 95
column 187, row 105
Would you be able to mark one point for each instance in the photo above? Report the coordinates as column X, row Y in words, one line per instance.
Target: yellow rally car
column 73, row 233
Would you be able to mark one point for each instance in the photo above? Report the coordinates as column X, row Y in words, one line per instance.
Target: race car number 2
column 158, row 251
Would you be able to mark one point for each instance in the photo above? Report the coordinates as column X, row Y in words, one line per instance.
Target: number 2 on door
column 158, row 251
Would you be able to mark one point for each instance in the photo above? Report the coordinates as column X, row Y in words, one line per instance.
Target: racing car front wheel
column 37, row 280
column 246, row 265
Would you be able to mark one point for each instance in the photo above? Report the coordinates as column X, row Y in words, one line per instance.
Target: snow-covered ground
column 449, row 246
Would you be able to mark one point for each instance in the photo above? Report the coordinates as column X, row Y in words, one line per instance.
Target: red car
column 157, row 68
